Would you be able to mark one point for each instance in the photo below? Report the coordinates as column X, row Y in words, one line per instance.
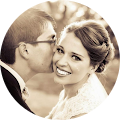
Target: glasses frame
column 47, row 41
column 35, row 42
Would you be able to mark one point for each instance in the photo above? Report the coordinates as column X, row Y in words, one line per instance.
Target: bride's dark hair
column 96, row 41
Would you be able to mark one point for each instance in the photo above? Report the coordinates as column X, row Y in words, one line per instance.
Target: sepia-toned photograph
column 59, row 60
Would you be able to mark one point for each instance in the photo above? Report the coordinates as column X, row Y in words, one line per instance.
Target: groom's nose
column 54, row 49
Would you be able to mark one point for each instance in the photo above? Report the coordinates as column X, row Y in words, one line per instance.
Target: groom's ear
column 23, row 50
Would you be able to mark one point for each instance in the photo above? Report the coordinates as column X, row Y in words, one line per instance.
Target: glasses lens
column 53, row 43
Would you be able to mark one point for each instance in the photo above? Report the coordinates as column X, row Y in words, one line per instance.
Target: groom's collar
column 21, row 82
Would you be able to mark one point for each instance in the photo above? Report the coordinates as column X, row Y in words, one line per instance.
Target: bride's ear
column 93, row 69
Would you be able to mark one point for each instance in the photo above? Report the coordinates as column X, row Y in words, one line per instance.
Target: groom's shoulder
column 10, row 108
column 8, row 77
column 6, row 74
column 11, row 96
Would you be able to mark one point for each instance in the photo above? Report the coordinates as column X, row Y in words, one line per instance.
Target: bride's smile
column 62, row 72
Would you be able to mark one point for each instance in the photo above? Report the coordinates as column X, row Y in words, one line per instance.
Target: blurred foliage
column 64, row 12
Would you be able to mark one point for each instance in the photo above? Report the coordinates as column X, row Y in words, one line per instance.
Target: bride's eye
column 76, row 58
column 59, row 50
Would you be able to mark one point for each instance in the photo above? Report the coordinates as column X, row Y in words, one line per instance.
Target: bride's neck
column 71, row 90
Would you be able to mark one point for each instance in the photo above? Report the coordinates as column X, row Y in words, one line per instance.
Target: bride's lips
column 61, row 72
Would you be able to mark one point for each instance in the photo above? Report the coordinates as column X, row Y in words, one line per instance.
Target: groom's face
column 40, row 56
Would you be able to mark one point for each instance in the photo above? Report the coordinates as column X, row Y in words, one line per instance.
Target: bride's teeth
column 62, row 72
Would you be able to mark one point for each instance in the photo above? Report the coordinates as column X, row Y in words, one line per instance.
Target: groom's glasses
column 52, row 42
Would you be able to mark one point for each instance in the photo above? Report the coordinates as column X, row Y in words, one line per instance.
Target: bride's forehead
column 69, row 38
column 66, row 36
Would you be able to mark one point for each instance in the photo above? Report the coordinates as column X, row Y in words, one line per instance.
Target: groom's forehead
column 47, row 34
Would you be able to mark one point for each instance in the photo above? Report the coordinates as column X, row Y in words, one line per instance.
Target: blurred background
column 44, row 92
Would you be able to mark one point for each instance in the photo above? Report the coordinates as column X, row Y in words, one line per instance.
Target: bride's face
column 71, row 62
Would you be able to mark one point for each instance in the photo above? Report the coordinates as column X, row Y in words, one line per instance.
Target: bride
column 83, row 50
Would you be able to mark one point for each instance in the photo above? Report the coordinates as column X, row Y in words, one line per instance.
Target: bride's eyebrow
column 77, row 54
column 60, row 46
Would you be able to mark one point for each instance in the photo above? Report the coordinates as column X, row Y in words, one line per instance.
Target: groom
column 27, row 49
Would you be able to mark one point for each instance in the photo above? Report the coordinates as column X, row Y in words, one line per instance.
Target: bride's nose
column 63, row 61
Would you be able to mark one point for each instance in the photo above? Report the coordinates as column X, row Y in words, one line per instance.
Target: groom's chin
column 50, row 69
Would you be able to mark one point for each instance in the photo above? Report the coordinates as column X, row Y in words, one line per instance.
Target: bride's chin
column 56, row 80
